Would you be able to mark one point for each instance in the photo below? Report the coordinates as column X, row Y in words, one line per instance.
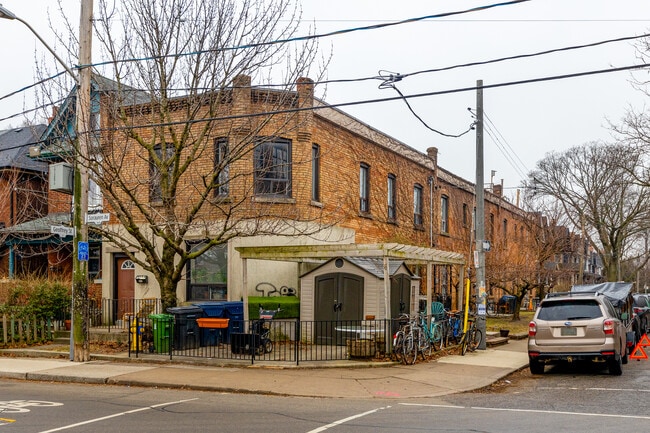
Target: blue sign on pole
column 82, row 251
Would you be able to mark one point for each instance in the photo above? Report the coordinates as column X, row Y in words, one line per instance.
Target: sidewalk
column 447, row 375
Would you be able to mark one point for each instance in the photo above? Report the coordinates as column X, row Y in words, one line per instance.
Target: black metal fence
column 279, row 340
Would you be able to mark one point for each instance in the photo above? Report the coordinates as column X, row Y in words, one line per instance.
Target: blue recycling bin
column 233, row 310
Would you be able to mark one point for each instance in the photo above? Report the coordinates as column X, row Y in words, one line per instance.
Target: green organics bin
column 161, row 326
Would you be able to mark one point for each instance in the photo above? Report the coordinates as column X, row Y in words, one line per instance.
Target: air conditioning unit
column 61, row 177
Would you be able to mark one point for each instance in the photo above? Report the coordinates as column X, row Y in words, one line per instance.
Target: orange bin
column 212, row 322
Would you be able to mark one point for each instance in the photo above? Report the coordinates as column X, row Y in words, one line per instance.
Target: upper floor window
column 364, row 188
column 222, row 166
column 444, row 214
column 273, row 167
column 417, row 205
column 492, row 226
column 157, row 176
column 465, row 215
column 392, row 197
column 315, row 172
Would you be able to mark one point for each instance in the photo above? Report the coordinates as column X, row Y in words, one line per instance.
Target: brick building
column 338, row 185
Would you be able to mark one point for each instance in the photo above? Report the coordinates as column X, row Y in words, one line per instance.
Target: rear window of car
column 640, row 302
column 570, row 310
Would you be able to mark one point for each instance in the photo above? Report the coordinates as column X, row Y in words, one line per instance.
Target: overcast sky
column 528, row 120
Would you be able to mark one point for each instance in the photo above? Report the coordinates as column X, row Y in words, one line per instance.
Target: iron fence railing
column 279, row 340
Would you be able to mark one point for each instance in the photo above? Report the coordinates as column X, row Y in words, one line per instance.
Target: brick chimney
column 305, row 118
column 241, row 103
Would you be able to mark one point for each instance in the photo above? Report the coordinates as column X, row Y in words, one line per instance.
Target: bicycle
column 399, row 338
column 454, row 327
column 432, row 333
column 409, row 341
column 471, row 338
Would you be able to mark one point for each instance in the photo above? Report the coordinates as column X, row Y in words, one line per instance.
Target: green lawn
column 505, row 322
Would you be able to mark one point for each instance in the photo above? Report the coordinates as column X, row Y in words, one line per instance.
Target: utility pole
column 80, row 351
column 481, row 295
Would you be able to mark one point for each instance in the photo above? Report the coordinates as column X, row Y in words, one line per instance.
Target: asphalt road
column 577, row 398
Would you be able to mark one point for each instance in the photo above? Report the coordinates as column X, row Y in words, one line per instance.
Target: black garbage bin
column 186, row 328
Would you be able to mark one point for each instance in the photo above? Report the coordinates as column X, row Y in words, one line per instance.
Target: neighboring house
column 23, row 197
column 381, row 200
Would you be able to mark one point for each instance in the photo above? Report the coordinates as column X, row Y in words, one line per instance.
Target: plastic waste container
column 161, row 326
column 186, row 329
column 232, row 310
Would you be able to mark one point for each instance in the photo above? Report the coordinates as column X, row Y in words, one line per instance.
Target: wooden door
column 125, row 291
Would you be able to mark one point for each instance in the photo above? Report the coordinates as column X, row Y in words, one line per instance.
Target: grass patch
column 506, row 322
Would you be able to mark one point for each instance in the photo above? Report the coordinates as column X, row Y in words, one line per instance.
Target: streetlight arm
column 7, row 14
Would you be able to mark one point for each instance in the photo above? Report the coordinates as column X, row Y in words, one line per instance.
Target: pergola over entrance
column 410, row 254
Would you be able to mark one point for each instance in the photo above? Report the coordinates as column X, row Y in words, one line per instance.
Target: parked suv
column 575, row 326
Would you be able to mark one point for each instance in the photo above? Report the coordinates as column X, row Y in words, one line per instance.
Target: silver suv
column 576, row 326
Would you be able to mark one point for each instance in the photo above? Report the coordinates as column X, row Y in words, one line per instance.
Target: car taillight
column 532, row 329
column 608, row 327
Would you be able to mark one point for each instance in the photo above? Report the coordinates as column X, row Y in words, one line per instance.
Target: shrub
column 50, row 300
column 40, row 298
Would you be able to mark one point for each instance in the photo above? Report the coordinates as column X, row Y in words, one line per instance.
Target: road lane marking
column 128, row 412
column 344, row 420
column 561, row 388
column 6, row 421
column 556, row 412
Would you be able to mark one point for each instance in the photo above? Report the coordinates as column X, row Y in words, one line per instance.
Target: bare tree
column 174, row 158
column 596, row 185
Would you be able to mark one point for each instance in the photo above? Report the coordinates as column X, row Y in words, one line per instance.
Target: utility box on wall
column 61, row 177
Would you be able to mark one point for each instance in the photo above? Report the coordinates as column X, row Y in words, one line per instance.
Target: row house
column 361, row 205
column 23, row 200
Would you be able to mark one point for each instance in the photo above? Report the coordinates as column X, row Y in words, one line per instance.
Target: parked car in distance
column 641, row 308
column 576, row 326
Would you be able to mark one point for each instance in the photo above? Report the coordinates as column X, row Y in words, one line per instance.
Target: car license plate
column 568, row 332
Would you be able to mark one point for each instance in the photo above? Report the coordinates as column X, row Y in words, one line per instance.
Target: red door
column 125, row 286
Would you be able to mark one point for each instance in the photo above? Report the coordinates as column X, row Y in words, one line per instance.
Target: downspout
column 430, row 181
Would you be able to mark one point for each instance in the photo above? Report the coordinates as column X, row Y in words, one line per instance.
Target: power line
column 387, row 99
column 392, row 77
column 503, row 139
column 283, row 41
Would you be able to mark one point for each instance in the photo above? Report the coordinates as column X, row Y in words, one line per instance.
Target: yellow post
column 466, row 309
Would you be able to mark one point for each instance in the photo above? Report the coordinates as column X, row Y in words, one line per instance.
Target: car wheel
column 536, row 367
column 615, row 365
column 624, row 358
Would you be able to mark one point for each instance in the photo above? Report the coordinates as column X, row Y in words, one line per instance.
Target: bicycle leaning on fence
column 410, row 340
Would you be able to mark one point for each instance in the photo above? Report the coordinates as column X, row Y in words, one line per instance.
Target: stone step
column 496, row 341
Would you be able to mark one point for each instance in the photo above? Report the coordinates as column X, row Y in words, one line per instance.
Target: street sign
column 62, row 231
column 97, row 218
column 82, row 251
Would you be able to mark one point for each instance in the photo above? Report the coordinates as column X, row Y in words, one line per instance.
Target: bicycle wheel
column 410, row 350
column 463, row 344
column 436, row 336
column 424, row 344
column 475, row 340
column 398, row 346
